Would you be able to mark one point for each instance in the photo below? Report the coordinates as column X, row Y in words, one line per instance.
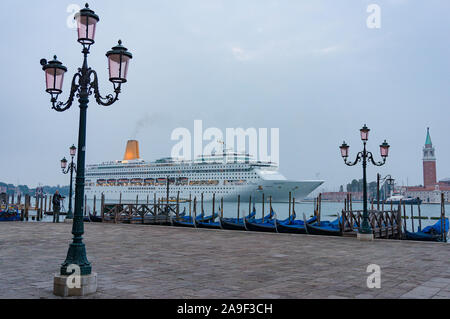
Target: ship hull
column 277, row 191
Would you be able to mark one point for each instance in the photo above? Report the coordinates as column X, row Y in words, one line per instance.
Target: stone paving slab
column 140, row 261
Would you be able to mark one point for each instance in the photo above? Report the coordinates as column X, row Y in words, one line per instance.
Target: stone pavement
column 139, row 261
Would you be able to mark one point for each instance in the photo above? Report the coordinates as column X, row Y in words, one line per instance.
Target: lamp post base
column 365, row 237
column 68, row 286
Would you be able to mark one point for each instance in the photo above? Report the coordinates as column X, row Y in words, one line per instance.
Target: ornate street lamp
column 72, row 167
column 84, row 83
column 388, row 180
column 364, row 156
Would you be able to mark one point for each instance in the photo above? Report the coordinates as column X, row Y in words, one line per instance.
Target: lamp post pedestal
column 365, row 237
column 74, row 285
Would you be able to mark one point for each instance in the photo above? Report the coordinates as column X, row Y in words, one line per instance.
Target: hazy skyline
column 311, row 68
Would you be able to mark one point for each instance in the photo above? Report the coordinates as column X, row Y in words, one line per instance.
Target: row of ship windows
column 185, row 167
column 187, row 175
column 143, row 184
column 192, row 171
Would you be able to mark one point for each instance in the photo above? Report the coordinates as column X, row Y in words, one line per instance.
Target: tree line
column 25, row 190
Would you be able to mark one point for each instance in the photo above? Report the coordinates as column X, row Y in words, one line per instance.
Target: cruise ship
column 226, row 175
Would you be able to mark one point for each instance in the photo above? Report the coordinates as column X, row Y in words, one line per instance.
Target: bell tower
column 429, row 163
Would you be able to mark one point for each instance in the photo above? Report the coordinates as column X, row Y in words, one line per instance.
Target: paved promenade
column 135, row 261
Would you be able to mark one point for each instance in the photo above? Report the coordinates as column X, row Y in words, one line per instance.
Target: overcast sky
column 311, row 68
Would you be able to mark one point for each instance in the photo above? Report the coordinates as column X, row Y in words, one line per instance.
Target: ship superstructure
column 226, row 175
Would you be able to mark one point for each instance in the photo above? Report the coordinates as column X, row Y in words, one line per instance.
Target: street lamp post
column 72, row 167
column 389, row 180
column 84, row 83
column 365, row 231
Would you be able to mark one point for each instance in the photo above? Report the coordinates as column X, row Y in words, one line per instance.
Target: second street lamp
column 365, row 231
column 84, row 83
column 72, row 167
column 389, row 181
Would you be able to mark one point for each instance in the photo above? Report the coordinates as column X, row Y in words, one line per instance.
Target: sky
column 313, row 69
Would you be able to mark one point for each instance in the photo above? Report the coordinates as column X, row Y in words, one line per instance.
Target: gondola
column 10, row 215
column 95, row 219
column 429, row 233
column 325, row 228
column 238, row 224
column 296, row 227
column 188, row 221
column 52, row 213
column 201, row 218
column 183, row 223
column 269, row 224
column 208, row 225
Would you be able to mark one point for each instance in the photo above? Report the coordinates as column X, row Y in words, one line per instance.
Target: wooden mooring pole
column 41, row 212
column 214, row 208
column 290, row 194
column 103, row 207
column 404, row 215
column 239, row 206
column 263, row 199
column 190, row 205
column 203, row 212
column 420, row 217
column 178, row 204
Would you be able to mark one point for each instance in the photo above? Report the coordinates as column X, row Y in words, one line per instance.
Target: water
column 329, row 210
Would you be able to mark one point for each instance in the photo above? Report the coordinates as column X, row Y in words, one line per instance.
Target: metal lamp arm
column 110, row 98
column 358, row 159
column 61, row 106
column 370, row 157
column 69, row 167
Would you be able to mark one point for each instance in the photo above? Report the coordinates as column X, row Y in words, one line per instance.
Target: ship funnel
column 132, row 151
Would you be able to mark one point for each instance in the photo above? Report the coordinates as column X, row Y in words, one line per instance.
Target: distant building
column 3, row 189
column 431, row 190
column 341, row 196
